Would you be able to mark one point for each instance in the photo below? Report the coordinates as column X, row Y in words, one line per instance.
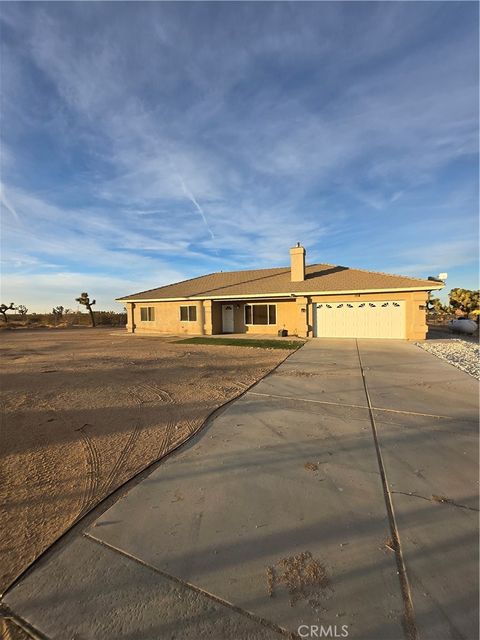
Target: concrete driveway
column 337, row 496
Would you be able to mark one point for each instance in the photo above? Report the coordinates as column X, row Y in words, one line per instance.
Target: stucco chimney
column 297, row 263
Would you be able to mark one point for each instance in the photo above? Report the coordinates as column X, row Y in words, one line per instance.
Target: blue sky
column 144, row 143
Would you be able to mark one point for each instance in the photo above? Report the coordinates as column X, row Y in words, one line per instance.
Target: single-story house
column 319, row 300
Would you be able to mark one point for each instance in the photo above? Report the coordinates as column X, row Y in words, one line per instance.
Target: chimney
column 297, row 263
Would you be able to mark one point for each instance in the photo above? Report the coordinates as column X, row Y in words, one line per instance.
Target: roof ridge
column 282, row 271
column 244, row 270
column 384, row 273
column 169, row 285
column 323, row 264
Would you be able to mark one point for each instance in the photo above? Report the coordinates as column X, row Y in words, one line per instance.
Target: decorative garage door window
column 147, row 314
column 360, row 306
column 260, row 314
column 188, row 314
column 360, row 319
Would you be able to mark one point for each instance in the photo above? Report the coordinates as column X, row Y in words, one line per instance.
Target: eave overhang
column 295, row 294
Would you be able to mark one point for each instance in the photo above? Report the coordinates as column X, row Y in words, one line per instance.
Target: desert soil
column 84, row 410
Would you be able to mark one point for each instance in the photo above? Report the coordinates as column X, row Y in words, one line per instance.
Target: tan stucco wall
column 295, row 315
column 167, row 319
column 288, row 317
column 209, row 318
column 415, row 317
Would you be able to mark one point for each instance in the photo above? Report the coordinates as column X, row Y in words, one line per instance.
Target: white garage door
column 359, row 319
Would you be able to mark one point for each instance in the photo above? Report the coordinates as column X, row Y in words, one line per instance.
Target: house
column 319, row 300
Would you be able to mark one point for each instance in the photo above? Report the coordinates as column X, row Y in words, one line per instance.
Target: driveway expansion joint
column 8, row 614
column 436, row 500
column 187, row 585
column 409, row 624
column 350, row 406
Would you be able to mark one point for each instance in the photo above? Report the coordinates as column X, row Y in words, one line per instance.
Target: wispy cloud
column 348, row 127
column 192, row 199
column 6, row 204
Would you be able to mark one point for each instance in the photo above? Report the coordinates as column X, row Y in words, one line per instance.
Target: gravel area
column 463, row 354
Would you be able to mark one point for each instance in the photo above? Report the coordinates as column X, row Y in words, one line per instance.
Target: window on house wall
column 272, row 314
column 147, row 314
column 188, row 314
column 260, row 314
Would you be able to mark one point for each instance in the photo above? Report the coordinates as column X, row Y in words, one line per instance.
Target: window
column 260, row 314
column 188, row 314
column 147, row 314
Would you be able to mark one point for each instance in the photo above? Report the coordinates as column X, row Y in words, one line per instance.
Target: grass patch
column 245, row 342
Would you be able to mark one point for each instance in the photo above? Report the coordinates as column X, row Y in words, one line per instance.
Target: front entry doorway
column 227, row 318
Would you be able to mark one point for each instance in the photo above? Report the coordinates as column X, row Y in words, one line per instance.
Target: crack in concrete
column 436, row 499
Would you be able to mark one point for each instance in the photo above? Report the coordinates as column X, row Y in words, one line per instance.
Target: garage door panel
column 366, row 319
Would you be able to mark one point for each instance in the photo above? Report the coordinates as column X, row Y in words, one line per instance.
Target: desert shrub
column 73, row 318
column 68, row 319
column 110, row 318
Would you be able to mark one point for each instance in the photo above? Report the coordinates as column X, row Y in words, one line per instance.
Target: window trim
column 260, row 304
column 187, row 307
column 150, row 314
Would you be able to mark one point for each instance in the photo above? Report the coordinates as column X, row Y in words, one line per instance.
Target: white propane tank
column 463, row 325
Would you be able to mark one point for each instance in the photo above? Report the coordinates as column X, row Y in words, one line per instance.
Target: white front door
column 366, row 319
column 227, row 318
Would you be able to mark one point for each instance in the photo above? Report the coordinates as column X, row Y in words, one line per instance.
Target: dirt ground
column 84, row 410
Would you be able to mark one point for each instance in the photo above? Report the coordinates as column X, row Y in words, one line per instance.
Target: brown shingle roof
column 319, row 278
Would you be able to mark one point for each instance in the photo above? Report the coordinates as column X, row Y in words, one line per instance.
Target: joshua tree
column 85, row 300
column 4, row 308
column 57, row 314
column 22, row 309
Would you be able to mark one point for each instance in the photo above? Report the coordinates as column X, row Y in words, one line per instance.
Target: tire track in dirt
column 122, row 459
column 190, row 426
column 140, row 393
column 93, row 473
column 167, row 436
column 145, row 392
column 161, row 394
